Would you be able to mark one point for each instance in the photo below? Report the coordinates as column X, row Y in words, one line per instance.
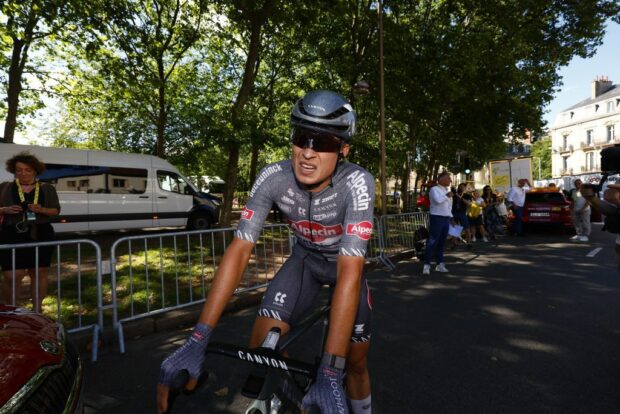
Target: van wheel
column 199, row 221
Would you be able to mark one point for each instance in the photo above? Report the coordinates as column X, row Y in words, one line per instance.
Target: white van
column 103, row 190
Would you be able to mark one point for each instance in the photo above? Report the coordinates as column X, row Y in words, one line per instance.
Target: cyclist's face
column 314, row 168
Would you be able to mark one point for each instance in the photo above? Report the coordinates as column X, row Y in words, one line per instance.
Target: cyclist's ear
column 344, row 151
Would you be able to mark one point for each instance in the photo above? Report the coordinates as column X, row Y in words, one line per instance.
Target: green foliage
column 460, row 76
column 541, row 150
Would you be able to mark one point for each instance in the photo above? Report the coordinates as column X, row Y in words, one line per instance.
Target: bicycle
column 279, row 383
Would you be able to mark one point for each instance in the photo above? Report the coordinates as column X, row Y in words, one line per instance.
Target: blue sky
column 578, row 75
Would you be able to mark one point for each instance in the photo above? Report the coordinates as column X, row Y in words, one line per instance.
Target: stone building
column 580, row 132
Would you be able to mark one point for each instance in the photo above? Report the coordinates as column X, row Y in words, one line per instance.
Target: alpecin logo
column 247, row 214
column 316, row 232
column 363, row 229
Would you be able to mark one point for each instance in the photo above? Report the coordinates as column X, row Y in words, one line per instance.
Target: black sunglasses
column 317, row 141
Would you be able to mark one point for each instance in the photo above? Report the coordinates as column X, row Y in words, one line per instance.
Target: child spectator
column 475, row 215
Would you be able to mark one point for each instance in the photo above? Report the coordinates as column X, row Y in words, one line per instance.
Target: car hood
column 28, row 341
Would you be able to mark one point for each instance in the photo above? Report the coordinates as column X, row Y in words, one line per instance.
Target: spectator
column 462, row 201
column 475, row 217
column 580, row 213
column 440, row 214
column 516, row 198
column 26, row 206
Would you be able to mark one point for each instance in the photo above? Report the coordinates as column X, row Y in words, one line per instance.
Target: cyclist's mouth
column 306, row 169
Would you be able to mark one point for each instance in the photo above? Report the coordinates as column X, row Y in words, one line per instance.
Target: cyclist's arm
column 344, row 306
column 227, row 278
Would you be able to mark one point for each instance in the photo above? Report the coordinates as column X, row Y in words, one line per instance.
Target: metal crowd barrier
column 158, row 273
column 398, row 233
column 76, row 281
column 167, row 271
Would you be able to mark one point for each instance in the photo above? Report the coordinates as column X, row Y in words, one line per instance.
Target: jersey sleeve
column 358, row 219
column 258, row 205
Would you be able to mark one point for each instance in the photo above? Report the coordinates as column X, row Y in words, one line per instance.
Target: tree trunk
column 231, row 183
column 14, row 89
column 249, row 75
column 254, row 161
column 162, row 116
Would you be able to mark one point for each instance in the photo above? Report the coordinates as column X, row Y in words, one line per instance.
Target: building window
column 589, row 137
column 610, row 106
column 71, row 184
column 610, row 133
column 596, row 107
column 564, row 141
column 572, row 114
column 590, row 161
column 565, row 163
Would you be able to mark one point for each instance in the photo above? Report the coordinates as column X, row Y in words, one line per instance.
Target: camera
column 610, row 160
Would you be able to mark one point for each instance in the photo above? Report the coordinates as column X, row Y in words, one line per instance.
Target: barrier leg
column 121, row 338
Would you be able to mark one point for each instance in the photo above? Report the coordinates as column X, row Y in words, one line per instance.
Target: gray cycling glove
column 190, row 356
column 326, row 392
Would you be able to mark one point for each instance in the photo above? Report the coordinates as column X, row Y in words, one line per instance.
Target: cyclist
column 328, row 203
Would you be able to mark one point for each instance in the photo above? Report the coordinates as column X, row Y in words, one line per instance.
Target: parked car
column 40, row 371
column 547, row 206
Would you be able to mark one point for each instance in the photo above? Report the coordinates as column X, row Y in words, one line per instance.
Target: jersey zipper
column 310, row 215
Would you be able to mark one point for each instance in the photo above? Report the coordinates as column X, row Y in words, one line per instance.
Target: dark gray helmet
column 325, row 111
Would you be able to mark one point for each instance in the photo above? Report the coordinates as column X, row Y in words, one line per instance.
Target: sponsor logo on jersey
column 363, row 229
column 246, row 214
column 323, row 216
column 301, row 211
column 356, row 181
column 266, row 173
column 279, row 299
column 287, row 200
column 316, row 232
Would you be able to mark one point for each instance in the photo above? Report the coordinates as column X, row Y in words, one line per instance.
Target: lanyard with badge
column 28, row 215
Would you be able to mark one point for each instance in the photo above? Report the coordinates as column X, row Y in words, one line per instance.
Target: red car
column 547, row 206
column 40, row 371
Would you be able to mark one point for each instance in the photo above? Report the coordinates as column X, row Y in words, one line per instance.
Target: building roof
column 612, row 92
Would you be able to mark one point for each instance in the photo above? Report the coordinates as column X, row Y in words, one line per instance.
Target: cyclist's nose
column 308, row 152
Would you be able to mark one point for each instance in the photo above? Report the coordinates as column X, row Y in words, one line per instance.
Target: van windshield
column 173, row 182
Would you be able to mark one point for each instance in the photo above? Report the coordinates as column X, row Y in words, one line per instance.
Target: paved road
column 528, row 325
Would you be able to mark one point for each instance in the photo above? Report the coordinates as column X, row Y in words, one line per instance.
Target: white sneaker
column 584, row 238
column 426, row 270
column 441, row 268
column 575, row 237
column 473, row 239
column 484, row 239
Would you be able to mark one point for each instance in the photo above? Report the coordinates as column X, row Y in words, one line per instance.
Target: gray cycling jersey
column 336, row 220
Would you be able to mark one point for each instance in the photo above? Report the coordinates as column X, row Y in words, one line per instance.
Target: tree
column 26, row 24
column 541, row 152
column 137, row 48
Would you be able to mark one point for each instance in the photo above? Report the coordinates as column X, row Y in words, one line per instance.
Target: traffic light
column 466, row 166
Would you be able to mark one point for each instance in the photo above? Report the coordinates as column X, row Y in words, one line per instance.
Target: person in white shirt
column 440, row 215
column 580, row 213
column 516, row 196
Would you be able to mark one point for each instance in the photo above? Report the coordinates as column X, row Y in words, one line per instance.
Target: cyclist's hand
column 326, row 392
column 189, row 357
